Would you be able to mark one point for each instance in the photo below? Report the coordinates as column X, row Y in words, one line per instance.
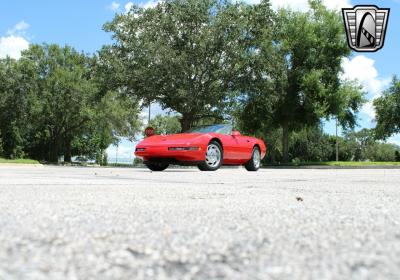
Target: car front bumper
column 154, row 153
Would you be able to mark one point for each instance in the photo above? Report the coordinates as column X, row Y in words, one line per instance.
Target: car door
column 236, row 148
column 244, row 147
column 247, row 148
column 229, row 145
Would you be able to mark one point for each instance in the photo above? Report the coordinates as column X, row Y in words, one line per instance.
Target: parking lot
column 123, row 223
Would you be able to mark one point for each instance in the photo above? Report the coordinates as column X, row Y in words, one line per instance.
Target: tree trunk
column 272, row 153
column 53, row 156
column 68, row 150
column 186, row 122
column 285, row 141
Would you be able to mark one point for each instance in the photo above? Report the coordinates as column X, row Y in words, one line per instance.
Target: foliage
column 397, row 155
column 183, row 54
column 361, row 146
column 274, row 75
column 300, row 84
column 387, row 109
column 15, row 105
column 52, row 105
column 310, row 144
column 137, row 161
column 1, row 145
column 165, row 124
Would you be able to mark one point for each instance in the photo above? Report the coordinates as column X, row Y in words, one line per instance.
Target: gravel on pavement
column 124, row 223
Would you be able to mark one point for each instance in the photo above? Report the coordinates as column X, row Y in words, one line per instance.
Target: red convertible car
column 208, row 147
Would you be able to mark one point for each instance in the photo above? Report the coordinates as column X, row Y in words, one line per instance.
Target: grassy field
column 19, row 161
column 340, row 163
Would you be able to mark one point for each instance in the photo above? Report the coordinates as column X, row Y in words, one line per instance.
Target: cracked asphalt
column 121, row 223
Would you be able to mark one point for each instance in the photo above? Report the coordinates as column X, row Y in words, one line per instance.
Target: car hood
column 172, row 139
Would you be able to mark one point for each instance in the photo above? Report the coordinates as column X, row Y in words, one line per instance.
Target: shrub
column 397, row 155
column 137, row 162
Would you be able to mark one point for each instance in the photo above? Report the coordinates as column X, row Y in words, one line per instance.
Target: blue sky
column 79, row 24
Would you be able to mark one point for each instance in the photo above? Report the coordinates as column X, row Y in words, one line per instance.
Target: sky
column 79, row 24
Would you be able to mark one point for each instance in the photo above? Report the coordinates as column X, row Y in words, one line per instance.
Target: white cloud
column 362, row 69
column 128, row 7
column 14, row 42
column 20, row 27
column 122, row 153
column 114, row 6
column 12, row 46
column 149, row 4
column 395, row 140
column 302, row 5
column 144, row 4
column 368, row 109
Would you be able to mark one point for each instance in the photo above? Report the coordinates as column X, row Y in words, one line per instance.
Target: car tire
column 214, row 157
column 255, row 161
column 157, row 166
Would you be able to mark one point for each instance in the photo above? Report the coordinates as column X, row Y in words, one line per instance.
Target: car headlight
column 183, row 148
column 140, row 149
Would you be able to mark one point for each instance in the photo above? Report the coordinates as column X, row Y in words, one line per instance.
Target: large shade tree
column 16, row 104
column 54, row 104
column 388, row 111
column 300, row 83
column 185, row 54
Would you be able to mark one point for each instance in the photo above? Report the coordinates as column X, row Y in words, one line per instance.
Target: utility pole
column 337, row 141
column 116, row 154
column 148, row 123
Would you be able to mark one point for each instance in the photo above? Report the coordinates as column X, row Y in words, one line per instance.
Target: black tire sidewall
column 250, row 164
column 157, row 166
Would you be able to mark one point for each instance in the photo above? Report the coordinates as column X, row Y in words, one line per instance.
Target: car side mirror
column 235, row 133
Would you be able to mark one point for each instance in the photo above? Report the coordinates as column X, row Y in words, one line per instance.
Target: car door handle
column 247, row 140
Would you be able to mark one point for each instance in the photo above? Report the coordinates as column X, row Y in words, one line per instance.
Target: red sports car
column 208, row 147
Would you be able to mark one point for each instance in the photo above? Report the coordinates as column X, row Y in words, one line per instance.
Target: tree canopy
column 303, row 85
column 183, row 54
column 164, row 125
column 388, row 111
column 52, row 106
column 272, row 74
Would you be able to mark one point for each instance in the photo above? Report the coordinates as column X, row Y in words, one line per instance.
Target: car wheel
column 157, row 166
column 255, row 162
column 214, row 157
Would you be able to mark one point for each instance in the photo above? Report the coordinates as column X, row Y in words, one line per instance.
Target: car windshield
column 217, row 128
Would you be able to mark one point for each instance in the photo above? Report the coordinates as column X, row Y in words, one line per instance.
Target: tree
column 362, row 146
column 182, row 53
column 164, row 125
column 71, row 114
column 115, row 115
column 303, row 85
column 65, row 97
column 15, row 106
column 387, row 109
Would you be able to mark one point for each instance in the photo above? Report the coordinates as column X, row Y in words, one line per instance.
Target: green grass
column 351, row 163
column 339, row 163
column 19, row 161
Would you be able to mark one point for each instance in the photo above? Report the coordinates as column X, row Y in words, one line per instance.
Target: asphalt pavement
column 122, row 223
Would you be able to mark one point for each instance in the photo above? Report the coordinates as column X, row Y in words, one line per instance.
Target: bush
column 296, row 161
column 137, row 162
column 310, row 144
column 397, row 155
column 1, row 147
column 380, row 152
column 101, row 158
